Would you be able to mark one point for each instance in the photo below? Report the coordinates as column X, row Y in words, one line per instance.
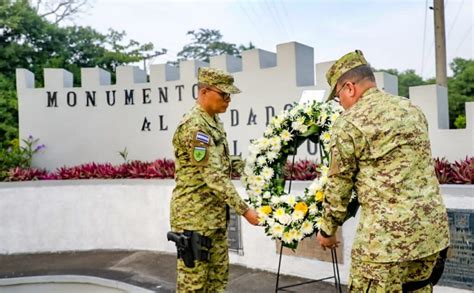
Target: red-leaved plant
column 302, row 170
column 28, row 174
column 459, row 172
column 161, row 168
column 463, row 171
column 443, row 170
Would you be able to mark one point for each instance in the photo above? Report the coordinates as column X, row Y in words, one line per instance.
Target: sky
column 392, row 33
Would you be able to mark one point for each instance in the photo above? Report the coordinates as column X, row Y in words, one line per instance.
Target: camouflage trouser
column 389, row 277
column 207, row 276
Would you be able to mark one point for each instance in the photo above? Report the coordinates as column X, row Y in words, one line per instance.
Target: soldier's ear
column 203, row 91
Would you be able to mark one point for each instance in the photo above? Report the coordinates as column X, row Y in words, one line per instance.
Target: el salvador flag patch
column 202, row 137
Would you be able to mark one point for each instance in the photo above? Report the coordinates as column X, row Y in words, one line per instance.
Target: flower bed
column 459, row 172
column 162, row 168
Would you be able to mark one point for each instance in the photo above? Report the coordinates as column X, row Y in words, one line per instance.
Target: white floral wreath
column 289, row 217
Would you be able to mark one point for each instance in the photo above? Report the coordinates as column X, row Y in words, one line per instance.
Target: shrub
column 443, row 170
column 161, row 168
column 459, row 172
column 463, row 171
column 28, row 174
column 16, row 156
column 302, row 170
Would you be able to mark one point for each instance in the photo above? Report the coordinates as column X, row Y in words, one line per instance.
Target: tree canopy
column 28, row 40
column 208, row 42
column 460, row 88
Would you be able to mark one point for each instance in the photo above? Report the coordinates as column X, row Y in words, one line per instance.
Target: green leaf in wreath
column 311, row 131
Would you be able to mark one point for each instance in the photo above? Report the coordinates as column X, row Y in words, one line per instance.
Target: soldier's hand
column 251, row 216
column 327, row 242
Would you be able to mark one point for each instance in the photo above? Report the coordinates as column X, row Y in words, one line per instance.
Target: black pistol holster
column 191, row 246
column 435, row 275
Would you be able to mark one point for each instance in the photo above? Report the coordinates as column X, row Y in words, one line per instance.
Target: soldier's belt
column 191, row 246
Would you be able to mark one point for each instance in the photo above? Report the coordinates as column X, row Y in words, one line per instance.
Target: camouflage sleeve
column 206, row 157
column 237, row 164
column 221, row 183
column 347, row 142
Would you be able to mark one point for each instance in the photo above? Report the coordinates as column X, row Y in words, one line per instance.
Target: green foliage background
column 460, row 88
column 31, row 42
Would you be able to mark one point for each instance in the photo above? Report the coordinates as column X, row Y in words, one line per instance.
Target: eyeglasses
column 336, row 96
column 225, row 96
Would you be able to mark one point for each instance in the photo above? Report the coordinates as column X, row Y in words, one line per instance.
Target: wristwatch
column 324, row 234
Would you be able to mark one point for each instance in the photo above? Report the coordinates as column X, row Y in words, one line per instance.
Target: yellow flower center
column 301, row 206
column 319, row 196
column 266, row 210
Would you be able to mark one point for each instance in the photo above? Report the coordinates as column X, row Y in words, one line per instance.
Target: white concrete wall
column 82, row 134
column 454, row 144
column 50, row 216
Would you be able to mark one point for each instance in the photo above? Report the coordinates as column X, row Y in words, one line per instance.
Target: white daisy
column 287, row 237
column 275, row 200
column 307, row 227
column 277, row 230
column 313, row 209
column 297, row 216
column 267, row 173
column 261, row 160
column 326, row 136
column 271, row 156
column 290, row 200
column 286, row 135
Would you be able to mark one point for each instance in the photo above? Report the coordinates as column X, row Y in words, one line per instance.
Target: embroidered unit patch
column 202, row 137
column 199, row 153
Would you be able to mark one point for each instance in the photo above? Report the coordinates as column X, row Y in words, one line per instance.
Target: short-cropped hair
column 359, row 73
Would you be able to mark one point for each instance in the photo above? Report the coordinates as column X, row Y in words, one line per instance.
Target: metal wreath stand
column 335, row 267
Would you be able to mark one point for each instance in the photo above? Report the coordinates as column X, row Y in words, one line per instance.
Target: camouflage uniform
column 204, row 189
column 380, row 149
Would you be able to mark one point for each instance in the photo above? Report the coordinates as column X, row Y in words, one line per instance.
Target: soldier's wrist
column 324, row 234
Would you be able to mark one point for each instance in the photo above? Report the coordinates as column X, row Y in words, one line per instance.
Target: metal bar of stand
column 337, row 277
column 335, row 266
column 297, row 284
column 289, row 190
column 305, row 283
column 279, row 265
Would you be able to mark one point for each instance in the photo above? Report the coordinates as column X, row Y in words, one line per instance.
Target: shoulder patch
column 199, row 153
column 202, row 137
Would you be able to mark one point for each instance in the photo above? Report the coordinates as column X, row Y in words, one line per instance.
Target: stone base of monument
column 66, row 283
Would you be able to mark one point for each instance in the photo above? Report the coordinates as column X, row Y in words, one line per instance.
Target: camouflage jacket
column 380, row 149
column 203, row 168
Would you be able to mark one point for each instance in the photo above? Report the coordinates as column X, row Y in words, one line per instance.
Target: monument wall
column 95, row 121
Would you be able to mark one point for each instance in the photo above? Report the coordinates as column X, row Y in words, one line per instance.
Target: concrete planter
column 51, row 216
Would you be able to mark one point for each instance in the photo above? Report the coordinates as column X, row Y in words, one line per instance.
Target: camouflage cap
column 343, row 65
column 217, row 78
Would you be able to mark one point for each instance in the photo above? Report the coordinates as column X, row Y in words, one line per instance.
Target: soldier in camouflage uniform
column 380, row 149
column 204, row 189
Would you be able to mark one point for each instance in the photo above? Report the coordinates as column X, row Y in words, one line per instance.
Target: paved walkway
column 145, row 269
column 153, row 271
